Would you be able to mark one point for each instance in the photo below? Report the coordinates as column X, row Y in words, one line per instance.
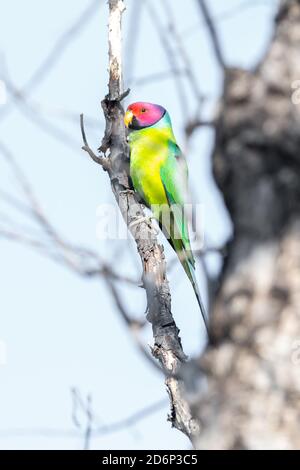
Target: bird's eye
column 143, row 110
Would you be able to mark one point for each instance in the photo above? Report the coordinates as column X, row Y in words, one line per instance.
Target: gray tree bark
column 244, row 391
column 252, row 369
column 167, row 347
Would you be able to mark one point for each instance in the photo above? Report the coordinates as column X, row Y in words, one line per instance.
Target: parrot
column 159, row 174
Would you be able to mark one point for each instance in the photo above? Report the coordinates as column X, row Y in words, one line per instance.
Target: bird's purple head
column 140, row 115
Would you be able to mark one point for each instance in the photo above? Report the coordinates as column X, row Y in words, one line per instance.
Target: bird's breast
column 146, row 158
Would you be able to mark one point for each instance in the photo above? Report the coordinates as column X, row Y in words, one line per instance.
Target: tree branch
column 167, row 344
column 213, row 33
column 100, row 161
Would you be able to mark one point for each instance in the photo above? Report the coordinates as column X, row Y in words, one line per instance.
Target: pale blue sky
column 62, row 331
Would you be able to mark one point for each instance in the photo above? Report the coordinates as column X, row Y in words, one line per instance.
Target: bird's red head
column 140, row 115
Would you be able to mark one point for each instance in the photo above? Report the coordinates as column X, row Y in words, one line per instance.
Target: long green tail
column 190, row 271
column 176, row 232
column 185, row 255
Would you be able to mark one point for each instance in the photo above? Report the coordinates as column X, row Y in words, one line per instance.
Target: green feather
column 159, row 174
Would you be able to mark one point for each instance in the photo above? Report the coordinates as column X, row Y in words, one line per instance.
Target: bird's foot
column 140, row 220
column 146, row 220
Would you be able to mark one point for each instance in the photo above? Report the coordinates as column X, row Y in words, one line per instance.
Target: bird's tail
column 190, row 271
column 179, row 240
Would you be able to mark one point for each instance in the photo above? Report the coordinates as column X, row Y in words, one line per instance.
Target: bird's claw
column 140, row 220
column 144, row 219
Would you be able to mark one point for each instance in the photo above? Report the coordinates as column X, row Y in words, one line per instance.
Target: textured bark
column 252, row 395
column 167, row 344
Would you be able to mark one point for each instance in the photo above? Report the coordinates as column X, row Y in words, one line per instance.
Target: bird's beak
column 128, row 118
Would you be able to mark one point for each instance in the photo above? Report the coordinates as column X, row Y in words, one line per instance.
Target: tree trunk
column 252, row 394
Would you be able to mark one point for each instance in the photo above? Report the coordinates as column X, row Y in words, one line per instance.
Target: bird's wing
column 174, row 177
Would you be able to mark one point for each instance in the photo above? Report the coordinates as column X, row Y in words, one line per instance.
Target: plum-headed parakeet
column 159, row 175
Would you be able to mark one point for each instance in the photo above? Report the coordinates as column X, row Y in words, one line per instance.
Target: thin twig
column 157, row 77
column 213, row 32
column 226, row 14
column 55, row 53
column 194, row 124
column 33, row 114
column 170, row 54
column 99, row 160
column 132, row 43
column 103, row 430
column 135, row 326
column 189, row 71
column 83, row 261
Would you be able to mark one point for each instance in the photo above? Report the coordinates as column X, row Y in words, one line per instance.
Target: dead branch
column 213, row 33
column 170, row 54
column 97, row 430
column 101, row 161
column 167, row 344
column 180, row 47
column 43, row 236
column 55, row 53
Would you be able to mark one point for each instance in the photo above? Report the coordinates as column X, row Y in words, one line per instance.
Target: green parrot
column 159, row 175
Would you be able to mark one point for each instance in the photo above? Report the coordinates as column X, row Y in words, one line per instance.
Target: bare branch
column 98, row 431
column 101, row 161
column 193, row 80
column 132, row 419
column 83, row 261
column 171, row 56
column 158, row 77
column 55, row 53
column 194, row 124
column 213, row 33
column 135, row 326
column 227, row 13
column 132, row 43
column 31, row 112
column 167, row 344
column 85, row 406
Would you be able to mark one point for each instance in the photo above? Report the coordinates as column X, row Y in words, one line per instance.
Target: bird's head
column 140, row 115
